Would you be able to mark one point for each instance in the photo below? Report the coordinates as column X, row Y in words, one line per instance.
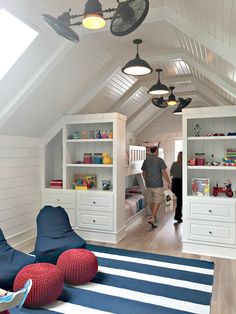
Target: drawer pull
column 58, row 199
column 210, row 232
column 210, row 211
column 94, row 220
column 94, row 202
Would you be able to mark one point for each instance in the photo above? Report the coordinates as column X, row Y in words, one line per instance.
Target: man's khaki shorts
column 155, row 195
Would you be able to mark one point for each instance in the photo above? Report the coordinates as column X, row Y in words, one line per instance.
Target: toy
column 106, row 158
column 197, row 130
column 111, row 134
column 227, row 189
column 98, row 134
column 104, row 134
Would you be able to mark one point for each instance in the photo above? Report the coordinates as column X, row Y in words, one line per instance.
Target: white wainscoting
column 20, row 187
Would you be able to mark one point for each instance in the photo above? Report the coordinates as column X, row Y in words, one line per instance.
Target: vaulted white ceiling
column 194, row 42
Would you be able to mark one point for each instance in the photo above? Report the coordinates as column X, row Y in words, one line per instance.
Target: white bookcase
column 209, row 221
column 95, row 213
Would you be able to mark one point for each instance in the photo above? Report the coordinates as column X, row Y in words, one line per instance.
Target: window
column 15, row 37
column 178, row 147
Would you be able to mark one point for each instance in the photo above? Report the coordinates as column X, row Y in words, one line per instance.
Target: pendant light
column 137, row 66
column 171, row 100
column 159, row 88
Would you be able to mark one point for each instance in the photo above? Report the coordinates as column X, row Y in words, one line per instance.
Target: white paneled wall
column 20, row 184
column 165, row 129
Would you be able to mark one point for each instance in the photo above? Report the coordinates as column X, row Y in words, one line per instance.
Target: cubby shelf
column 211, row 138
column 233, row 168
column 90, row 165
column 102, row 140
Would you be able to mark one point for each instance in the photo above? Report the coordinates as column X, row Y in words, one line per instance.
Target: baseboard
column 22, row 240
column 132, row 221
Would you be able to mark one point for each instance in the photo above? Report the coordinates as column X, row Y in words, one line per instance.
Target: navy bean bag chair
column 11, row 262
column 54, row 235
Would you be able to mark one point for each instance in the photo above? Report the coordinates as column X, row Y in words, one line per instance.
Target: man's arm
column 166, row 177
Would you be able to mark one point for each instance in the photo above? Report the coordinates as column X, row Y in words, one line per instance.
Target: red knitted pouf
column 5, row 312
column 78, row 266
column 48, row 283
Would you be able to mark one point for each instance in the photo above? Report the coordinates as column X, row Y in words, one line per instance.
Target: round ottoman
column 5, row 312
column 47, row 284
column 78, row 266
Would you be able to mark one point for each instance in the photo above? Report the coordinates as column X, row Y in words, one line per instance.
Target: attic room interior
column 76, row 128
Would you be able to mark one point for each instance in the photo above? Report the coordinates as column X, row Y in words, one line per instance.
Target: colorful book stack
column 230, row 157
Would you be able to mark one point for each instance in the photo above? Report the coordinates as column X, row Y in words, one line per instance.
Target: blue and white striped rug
column 132, row 282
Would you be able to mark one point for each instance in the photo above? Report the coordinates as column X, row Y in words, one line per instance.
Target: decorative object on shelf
column 84, row 134
column 126, row 18
column 106, row 185
column 218, row 134
column 226, row 189
column 111, row 134
column 197, row 129
column 137, row 66
column 158, row 88
column 104, row 134
column 106, row 158
column 92, row 134
column 231, row 134
column 192, row 162
column 97, row 158
column 87, row 158
column 56, row 184
column 230, row 157
column 77, row 136
column 98, row 134
column 84, row 181
column 201, row 186
column 199, row 159
column 212, row 162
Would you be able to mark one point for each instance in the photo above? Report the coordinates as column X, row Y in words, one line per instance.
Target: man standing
column 154, row 169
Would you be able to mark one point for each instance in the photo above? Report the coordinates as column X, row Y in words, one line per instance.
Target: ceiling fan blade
column 184, row 102
column 159, row 102
column 60, row 26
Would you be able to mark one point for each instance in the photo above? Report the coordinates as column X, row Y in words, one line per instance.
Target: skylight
column 15, row 38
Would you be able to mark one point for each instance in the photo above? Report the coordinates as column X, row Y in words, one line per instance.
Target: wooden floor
column 166, row 239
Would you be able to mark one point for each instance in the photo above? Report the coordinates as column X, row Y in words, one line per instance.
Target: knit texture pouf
column 78, row 266
column 48, row 283
column 5, row 312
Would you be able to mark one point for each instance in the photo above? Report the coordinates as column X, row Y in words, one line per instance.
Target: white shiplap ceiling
column 194, row 42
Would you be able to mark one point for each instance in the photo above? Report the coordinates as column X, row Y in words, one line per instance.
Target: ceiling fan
column 181, row 102
column 126, row 18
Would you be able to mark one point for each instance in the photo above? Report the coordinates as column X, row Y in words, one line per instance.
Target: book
column 201, row 186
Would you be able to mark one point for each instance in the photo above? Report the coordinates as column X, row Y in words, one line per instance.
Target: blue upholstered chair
column 11, row 262
column 54, row 234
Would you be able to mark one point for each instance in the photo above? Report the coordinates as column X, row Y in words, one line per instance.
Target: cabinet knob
column 58, row 199
column 210, row 232
column 94, row 220
column 210, row 210
column 94, row 202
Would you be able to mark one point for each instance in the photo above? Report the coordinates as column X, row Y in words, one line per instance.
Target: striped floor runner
column 132, row 282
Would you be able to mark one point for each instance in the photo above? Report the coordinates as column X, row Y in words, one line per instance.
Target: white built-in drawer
column 65, row 199
column 62, row 198
column 213, row 231
column 217, row 212
column 94, row 201
column 94, row 220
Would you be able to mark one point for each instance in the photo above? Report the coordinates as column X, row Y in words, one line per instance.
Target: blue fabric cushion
column 54, row 234
column 11, row 262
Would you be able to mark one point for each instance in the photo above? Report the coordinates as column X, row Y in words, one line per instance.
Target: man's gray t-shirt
column 153, row 167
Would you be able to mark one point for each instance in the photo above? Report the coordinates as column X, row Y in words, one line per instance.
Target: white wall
column 165, row 129
column 20, row 187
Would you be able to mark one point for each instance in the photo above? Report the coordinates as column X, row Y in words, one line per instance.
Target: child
column 9, row 300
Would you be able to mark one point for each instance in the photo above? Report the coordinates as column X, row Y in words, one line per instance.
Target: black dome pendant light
column 159, row 88
column 137, row 66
